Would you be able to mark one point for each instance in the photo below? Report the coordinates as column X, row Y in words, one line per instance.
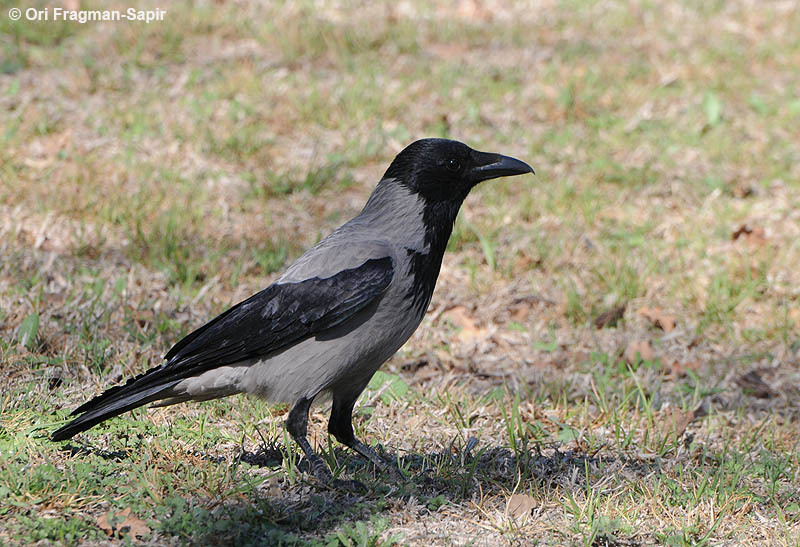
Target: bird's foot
column 320, row 470
column 395, row 473
column 324, row 477
column 348, row 485
column 384, row 465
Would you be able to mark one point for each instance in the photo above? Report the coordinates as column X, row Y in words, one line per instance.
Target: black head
column 445, row 170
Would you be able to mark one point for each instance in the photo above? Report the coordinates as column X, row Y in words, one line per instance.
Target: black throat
column 438, row 217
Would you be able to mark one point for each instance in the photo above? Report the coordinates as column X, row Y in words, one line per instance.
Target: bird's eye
column 453, row 164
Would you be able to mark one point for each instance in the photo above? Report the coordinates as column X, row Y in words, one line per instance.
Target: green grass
column 152, row 175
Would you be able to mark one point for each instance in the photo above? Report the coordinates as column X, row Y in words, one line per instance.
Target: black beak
column 492, row 166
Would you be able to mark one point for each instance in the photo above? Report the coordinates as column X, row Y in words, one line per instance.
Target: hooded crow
column 334, row 316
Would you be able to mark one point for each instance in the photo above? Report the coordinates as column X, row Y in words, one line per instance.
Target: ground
column 612, row 354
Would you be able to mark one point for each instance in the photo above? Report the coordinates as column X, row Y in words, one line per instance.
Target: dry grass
column 154, row 174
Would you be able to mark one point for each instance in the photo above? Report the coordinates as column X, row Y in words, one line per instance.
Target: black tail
column 135, row 393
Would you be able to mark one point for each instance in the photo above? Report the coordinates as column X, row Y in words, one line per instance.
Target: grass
column 152, row 175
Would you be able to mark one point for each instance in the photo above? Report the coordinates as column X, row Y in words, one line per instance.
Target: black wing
column 280, row 315
column 277, row 317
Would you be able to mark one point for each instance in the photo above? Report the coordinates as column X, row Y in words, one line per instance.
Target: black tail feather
column 133, row 385
column 102, row 407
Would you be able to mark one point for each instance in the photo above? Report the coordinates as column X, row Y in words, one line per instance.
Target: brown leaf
column 794, row 315
column 679, row 369
column 473, row 10
column 743, row 190
column 524, row 262
column 414, row 366
column 425, row 374
column 675, row 421
column 461, row 318
column 744, row 229
column 755, row 236
column 443, row 356
column 521, row 505
column 520, row 313
column 754, row 385
column 611, row 317
column 638, row 350
column 448, row 51
column 129, row 525
column 660, row 319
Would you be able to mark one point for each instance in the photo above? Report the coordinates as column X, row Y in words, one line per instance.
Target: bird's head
column 445, row 170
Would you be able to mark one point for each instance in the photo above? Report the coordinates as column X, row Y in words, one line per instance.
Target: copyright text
column 86, row 16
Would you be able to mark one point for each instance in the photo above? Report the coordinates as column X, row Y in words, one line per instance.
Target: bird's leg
column 340, row 426
column 297, row 426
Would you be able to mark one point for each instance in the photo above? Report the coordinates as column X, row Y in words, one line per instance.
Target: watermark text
column 86, row 16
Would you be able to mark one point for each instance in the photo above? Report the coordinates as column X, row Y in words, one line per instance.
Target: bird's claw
column 394, row 471
column 325, row 478
column 349, row 485
column 321, row 471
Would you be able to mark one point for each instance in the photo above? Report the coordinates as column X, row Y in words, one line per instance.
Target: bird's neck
column 406, row 217
column 421, row 227
column 425, row 264
column 439, row 218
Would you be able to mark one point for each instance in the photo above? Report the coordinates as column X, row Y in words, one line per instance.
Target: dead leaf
column 461, row 318
column 660, row 319
column 743, row 190
column 611, row 317
column 448, row 51
column 420, row 370
column 523, row 263
column 754, row 385
column 520, row 313
column 679, row 369
column 794, row 315
column 425, row 374
column 414, row 366
column 638, row 350
column 755, row 236
column 473, row 10
column 675, row 421
column 129, row 525
column 521, row 505
column 744, row 229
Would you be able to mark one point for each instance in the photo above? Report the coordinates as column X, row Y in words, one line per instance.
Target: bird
column 334, row 316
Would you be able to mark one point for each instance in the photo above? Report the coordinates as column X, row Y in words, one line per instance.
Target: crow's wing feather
column 277, row 317
column 281, row 314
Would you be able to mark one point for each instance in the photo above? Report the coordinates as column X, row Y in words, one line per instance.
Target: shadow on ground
column 279, row 512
